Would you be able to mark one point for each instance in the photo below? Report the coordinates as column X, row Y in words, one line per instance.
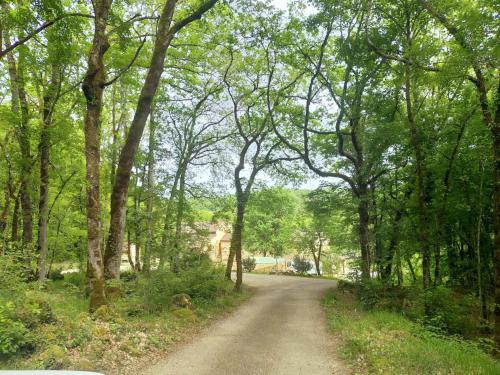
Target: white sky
column 282, row 4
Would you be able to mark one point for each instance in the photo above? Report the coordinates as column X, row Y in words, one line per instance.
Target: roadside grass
column 382, row 342
column 115, row 339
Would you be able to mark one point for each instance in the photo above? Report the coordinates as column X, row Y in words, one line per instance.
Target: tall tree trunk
column 496, row 214
column 412, row 270
column 49, row 101
column 115, row 129
column 399, row 268
column 235, row 247
column 177, row 245
column 236, row 235
column 442, row 226
column 151, row 192
column 317, row 258
column 3, row 219
column 8, row 195
column 393, row 253
column 230, row 260
column 393, row 244
column 478, row 247
column 167, row 225
column 422, row 232
column 53, row 253
column 363, row 231
column 15, row 218
column 127, row 154
column 19, row 105
column 137, row 209
column 117, row 126
column 93, row 87
column 164, row 36
column 129, row 252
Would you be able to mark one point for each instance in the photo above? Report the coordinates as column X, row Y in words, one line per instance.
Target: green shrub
column 382, row 342
column 440, row 307
column 374, row 294
column 450, row 311
column 301, row 265
column 54, row 358
column 185, row 315
column 128, row 276
column 343, row 286
column 156, row 290
column 56, row 274
column 105, row 313
column 14, row 336
column 33, row 311
column 12, row 281
column 248, row 264
column 203, row 282
column 78, row 279
column 79, row 335
column 192, row 259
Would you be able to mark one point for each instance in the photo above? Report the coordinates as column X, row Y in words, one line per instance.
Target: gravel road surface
column 280, row 330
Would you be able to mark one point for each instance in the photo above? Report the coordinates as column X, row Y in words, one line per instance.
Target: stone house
column 219, row 241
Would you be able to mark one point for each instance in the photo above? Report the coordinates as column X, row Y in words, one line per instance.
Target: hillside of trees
column 372, row 124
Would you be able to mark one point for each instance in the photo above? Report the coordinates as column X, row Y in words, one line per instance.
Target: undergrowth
column 47, row 325
column 384, row 342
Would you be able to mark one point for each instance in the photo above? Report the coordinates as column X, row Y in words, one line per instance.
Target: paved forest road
column 281, row 330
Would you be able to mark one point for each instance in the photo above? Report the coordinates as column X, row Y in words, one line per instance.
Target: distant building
column 219, row 238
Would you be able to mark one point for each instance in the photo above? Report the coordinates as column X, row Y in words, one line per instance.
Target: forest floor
column 115, row 340
column 281, row 330
column 384, row 342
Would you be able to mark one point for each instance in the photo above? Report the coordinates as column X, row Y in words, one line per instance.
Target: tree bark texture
column 363, row 231
column 93, row 87
column 20, row 108
column 151, row 192
column 49, row 101
column 235, row 246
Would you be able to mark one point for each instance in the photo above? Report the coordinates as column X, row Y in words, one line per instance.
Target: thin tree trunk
column 150, row 188
column 363, row 231
column 236, row 235
column 235, row 247
column 420, row 173
column 484, row 313
column 177, row 245
column 399, row 268
column 129, row 252
column 53, row 253
column 230, row 261
column 138, row 266
column 19, row 104
column 49, row 100
column 412, row 271
column 93, row 87
column 15, row 218
column 393, row 244
column 441, row 216
column 317, row 258
column 496, row 213
column 8, row 194
column 167, row 226
column 137, row 221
